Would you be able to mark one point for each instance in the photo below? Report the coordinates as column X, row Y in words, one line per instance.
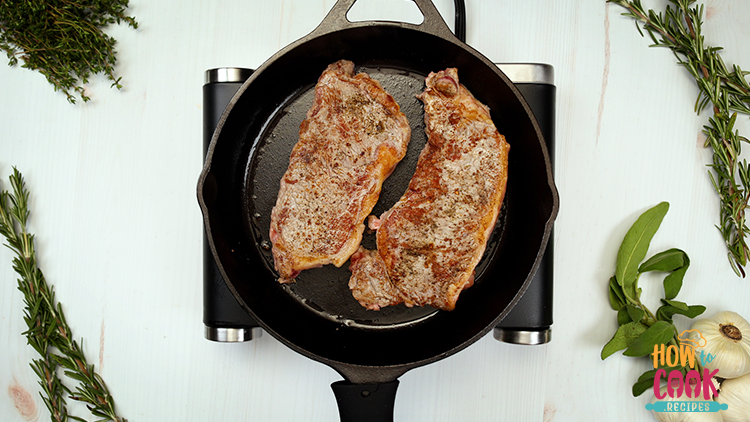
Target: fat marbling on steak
column 351, row 140
column 431, row 240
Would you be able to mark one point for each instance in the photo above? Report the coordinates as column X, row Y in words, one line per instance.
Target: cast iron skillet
column 317, row 315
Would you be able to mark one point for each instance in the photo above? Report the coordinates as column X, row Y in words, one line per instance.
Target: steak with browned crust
column 351, row 140
column 431, row 240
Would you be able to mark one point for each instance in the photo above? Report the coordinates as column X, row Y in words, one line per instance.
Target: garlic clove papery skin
column 735, row 393
column 684, row 416
column 724, row 341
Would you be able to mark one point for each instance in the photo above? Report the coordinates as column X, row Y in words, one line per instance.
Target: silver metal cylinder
column 528, row 73
column 529, row 338
column 227, row 74
column 232, row 335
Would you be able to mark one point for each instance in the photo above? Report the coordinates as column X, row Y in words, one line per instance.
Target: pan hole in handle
column 404, row 11
column 365, row 402
column 374, row 10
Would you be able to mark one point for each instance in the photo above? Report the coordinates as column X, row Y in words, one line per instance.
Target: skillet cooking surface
column 325, row 290
column 317, row 316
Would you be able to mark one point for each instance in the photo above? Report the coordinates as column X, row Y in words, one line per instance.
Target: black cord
column 460, row 29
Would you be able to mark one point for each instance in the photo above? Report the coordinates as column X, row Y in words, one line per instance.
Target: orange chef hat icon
column 693, row 338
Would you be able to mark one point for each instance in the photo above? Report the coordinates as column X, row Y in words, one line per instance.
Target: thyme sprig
column 728, row 93
column 63, row 39
column 48, row 332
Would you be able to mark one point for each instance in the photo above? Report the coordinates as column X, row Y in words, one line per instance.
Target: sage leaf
column 623, row 337
column 616, row 297
column 614, row 301
column 677, row 304
column 694, row 311
column 666, row 312
column 659, row 333
column 644, row 382
column 636, row 314
column 673, row 282
column 648, row 375
column 673, row 260
column 641, row 387
column 635, row 245
column 668, row 260
column 623, row 317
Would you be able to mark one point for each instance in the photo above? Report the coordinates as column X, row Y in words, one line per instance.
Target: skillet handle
column 365, row 402
column 433, row 22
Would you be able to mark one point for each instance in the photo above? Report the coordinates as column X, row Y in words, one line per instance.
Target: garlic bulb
column 684, row 416
column 724, row 345
column 735, row 393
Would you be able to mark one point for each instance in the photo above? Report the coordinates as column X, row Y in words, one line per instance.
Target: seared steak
column 431, row 240
column 352, row 138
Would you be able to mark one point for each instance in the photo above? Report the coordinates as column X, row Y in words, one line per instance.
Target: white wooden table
column 118, row 226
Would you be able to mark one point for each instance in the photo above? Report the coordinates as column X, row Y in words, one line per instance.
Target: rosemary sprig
column 728, row 93
column 35, row 292
column 63, row 39
column 48, row 330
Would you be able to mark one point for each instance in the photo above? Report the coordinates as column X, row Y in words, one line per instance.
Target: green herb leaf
column 659, row 333
column 636, row 314
column 623, row 317
column 673, row 282
column 639, row 330
column 644, row 382
column 616, row 297
column 668, row 260
column 635, row 245
column 48, row 330
column 63, row 40
column 694, row 311
column 677, row 304
column 726, row 94
column 624, row 336
column 647, row 375
column 675, row 261
column 666, row 312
